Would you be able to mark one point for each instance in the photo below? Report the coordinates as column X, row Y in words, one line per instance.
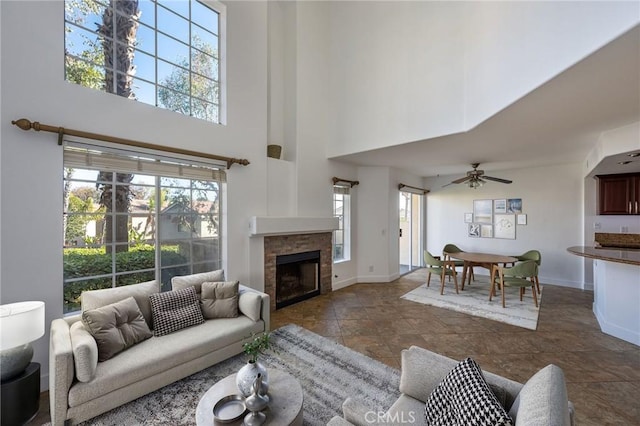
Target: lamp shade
column 21, row 323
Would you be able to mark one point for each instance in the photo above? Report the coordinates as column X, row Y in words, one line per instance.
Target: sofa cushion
column 85, row 352
column 97, row 298
column 219, row 300
column 175, row 310
column 157, row 355
column 116, row 327
column 543, row 399
column 250, row 304
column 196, row 280
column 464, row 397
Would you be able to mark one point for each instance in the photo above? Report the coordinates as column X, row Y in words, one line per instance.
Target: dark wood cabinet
column 619, row 194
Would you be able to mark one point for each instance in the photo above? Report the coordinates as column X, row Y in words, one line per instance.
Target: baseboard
column 615, row 330
column 377, row 278
column 337, row 285
column 557, row 282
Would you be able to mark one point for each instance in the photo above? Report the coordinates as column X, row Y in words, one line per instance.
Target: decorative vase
column 247, row 376
column 255, row 403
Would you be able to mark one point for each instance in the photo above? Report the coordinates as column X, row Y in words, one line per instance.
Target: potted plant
column 249, row 372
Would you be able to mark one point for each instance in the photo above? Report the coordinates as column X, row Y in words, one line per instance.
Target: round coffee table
column 285, row 400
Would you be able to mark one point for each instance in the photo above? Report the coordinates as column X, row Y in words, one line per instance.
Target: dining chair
column 442, row 268
column 537, row 257
column 521, row 275
column 452, row 248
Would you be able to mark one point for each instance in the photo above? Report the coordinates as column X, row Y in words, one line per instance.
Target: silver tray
column 229, row 409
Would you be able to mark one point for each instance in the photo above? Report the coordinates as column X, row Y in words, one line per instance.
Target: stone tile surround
column 297, row 243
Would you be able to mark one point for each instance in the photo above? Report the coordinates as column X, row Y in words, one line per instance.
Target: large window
column 342, row 235
column 163, row 53
column 132, row 218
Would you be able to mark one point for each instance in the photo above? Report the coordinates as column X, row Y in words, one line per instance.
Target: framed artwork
column 468, row 217
column 500, row 206
column 482, row 211
column 514, row 205
column 474, row 230
column 504, row 226
column 521, row 219
column 486, row 231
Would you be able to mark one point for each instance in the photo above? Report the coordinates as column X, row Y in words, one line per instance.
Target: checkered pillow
column 464, row 398
column 175, row 310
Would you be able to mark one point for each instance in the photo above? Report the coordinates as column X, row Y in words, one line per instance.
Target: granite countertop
column 628, row 256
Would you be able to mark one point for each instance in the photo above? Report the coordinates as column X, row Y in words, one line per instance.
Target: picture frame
column 500, row 206
column 486, row 231
column 483, row 211
column 514, row 205
column 521, row 219
column 474, row 230
column 468, row 217
column 504, row 226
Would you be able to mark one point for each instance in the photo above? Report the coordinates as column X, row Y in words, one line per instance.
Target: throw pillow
column 175, row 310
column 464, row 398
column 85, row 352
column 219, row 300
column 97, row 298
column 196, row 280
column 116, row 327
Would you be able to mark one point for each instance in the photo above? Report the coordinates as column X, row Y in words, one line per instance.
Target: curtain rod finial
column 25, row 124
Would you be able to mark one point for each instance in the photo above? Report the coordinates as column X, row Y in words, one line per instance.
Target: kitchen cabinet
column 619, row 194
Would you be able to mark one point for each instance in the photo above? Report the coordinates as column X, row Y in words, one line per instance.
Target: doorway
column 410, row 241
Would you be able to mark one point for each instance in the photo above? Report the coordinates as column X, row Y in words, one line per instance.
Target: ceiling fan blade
column 462, row 179
column 495, row 179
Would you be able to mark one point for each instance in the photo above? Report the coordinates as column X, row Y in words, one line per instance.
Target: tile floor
column 602, row 372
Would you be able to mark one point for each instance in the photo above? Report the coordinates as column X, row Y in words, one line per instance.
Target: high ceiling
column 557, row 123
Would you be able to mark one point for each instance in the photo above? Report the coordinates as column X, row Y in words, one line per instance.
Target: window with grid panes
column 131, row 218
column 163, row 53
column 342, row 235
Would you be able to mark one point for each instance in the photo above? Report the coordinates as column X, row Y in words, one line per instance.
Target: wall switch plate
column 597, row 226
column 624, row 229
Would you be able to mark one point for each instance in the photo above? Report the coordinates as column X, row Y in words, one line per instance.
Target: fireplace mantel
column 267, row 225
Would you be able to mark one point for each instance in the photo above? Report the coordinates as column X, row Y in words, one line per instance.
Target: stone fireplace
column 297, row 267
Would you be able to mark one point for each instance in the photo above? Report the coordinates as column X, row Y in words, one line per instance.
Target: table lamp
column 20, row 324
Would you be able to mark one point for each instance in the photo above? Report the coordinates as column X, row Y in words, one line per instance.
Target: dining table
column 485, row 260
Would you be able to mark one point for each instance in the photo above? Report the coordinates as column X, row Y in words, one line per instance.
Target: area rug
column 474, row 300
column 327, row 371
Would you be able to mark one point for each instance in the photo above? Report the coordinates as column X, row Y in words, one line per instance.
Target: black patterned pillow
column 464, row 398
column 175, row 310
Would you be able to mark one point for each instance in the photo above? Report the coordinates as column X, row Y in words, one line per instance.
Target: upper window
column 342, row 235
column 160, row 52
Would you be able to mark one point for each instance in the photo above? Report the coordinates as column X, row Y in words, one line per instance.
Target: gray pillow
column 219, row 300
column 97, row 298
column 116, row 327
column 175, row 310
column 196, row 280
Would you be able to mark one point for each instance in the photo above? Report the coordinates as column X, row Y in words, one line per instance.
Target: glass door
column 410, row 231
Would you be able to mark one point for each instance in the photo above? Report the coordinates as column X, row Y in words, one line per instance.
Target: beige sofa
column 80, row 387
column 540, row 401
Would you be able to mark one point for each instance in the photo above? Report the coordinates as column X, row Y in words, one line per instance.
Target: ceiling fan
column 476, row 178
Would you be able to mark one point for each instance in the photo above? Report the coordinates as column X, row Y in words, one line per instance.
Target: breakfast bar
column 616, row 285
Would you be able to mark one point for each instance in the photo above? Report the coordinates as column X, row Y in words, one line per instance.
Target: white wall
column 33, row 86
column 514, row 47
column 551, row 199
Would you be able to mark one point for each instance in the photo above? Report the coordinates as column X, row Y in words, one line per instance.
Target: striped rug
column 327, row 371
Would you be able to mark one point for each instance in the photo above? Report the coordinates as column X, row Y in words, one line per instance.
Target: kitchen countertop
column 628, row 256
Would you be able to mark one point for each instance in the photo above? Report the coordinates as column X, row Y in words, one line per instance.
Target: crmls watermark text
column 373, row 417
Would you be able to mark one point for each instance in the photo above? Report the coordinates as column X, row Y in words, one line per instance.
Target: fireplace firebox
column 297, row 277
